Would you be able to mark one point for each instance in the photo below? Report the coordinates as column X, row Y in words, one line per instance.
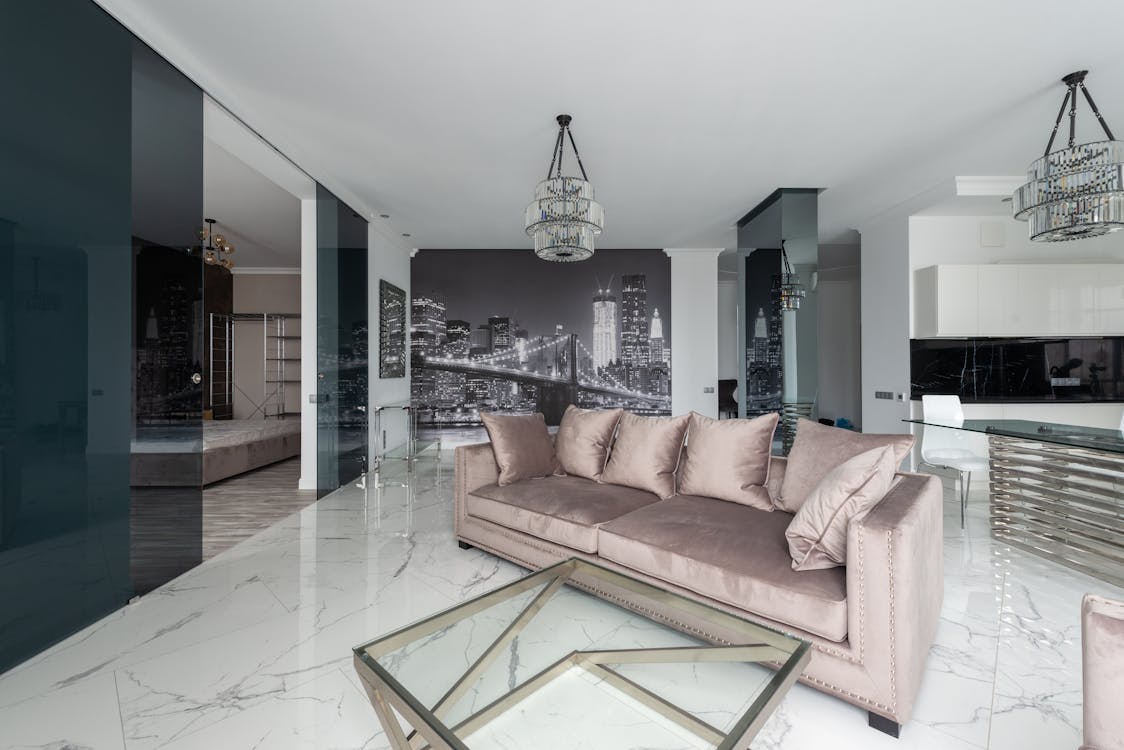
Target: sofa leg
column 882, row 724
column 464, row 545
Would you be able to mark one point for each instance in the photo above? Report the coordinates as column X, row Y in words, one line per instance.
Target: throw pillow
column 817, row 536
column 583, row 439
column 645, row 454
column 818, row 449
column 522, row 446
column 729, row 459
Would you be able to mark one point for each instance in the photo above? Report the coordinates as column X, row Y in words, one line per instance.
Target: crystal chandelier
column 790, row 288
column 1076, row 191
column 564, row 218
column 217, row 247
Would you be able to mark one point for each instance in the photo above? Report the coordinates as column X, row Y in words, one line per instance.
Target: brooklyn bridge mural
column 501, row 330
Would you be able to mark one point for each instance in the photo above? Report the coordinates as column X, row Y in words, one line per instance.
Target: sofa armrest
column 895, row 588
column 474, row 467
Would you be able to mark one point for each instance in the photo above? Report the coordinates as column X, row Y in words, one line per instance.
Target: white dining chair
column 950, row 448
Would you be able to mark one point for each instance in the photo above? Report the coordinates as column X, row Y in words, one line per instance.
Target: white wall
column 934, row 240
column 885, row 307
column 277, row 292
column 840, row 342
column 727, row 329
column 694, row 330
column 390, row 261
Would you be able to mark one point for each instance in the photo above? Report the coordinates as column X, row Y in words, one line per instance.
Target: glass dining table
column 1057, row 490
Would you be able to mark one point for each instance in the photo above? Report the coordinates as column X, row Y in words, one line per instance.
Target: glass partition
column 65, row 320
column 342, row 342
column 167, row 212
column 100, row 294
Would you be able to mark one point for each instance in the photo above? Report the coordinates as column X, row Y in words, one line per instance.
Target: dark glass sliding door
column 100, row 321
column 65, row 321
column 167, row 212
column 342, row 343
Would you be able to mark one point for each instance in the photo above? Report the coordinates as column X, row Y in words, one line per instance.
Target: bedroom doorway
column 253, row 349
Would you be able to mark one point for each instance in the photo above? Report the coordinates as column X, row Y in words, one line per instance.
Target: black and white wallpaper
column 502, row 330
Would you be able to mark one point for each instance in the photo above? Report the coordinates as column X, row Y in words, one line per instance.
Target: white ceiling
column 686, row 113
column 261, row 220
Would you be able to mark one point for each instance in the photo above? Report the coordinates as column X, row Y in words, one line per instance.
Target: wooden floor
column 239, row 507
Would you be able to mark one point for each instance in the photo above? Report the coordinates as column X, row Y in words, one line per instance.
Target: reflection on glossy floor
column 253, row 648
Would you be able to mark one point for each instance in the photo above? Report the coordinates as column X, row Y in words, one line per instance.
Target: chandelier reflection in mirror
column 790, row 289
column 1077, row 191
column 564, row 218
column 216, row 247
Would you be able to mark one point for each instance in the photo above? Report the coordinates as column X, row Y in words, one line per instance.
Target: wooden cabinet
column 1019, row 300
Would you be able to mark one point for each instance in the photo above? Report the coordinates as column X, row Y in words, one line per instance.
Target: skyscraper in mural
column 634, row 328
column 605, row 332
column 655, row 340
column 427, row 323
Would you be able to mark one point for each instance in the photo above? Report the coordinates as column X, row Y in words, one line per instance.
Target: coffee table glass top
column 543, row 663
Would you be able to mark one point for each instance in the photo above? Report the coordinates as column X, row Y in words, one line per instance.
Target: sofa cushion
column 563, row 510
column 729, row 459
column 522, row 445
column 817, row 536
column 646, row 452
column 583, row 439
column 819, row 448
column 732, row 553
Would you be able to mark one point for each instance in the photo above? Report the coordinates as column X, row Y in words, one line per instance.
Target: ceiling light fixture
column 216, row 248
column 1077, row 191
column 564, row 218
column 791, row 290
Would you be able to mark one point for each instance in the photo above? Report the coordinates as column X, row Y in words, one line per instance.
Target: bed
column 172, row 456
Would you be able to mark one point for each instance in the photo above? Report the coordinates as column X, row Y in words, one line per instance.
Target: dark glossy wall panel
column 342, row 342
column 65, row 321
column 166, row 522
column 1024, row 369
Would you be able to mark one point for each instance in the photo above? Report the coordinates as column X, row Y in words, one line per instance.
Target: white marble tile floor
column 252, row 649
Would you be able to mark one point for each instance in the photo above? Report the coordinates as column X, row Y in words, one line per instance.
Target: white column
column 694, row 330
column 308, row 344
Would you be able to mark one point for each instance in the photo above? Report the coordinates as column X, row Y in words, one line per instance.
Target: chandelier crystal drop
column 791, row 290
column 1077, row 191
column 564, row 218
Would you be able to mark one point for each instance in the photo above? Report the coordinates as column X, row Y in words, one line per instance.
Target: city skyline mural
column 501, row 330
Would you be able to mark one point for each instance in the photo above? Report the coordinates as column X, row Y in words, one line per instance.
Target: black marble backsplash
column 994, row 369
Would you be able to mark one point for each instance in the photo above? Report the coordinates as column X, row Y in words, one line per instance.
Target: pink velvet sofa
column 1102, row 649
column 870, row 623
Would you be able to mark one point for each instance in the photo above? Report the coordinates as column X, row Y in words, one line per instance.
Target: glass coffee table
column 543, row 662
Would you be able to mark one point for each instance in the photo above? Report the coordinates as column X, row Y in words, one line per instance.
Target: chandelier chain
column 1097, row 112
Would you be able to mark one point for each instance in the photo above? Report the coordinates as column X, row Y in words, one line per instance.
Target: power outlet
column 886, row 395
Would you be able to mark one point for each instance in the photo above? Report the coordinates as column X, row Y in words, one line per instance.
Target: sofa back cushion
column 522, row 446
column 729, row 459
column 646, row 452
column 583, row 440
column 817, row 536
column 819, row 448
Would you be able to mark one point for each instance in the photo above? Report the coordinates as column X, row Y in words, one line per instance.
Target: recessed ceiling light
column 384, row 216
column 405, row 234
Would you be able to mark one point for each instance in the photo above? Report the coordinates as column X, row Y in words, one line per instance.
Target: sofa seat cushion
column 732, row 553
column 563, row 510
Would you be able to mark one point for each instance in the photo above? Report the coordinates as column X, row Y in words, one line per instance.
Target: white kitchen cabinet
column 948, row 301
column 1036, row 305
column 1019, row 300
column 1109, row 294
column 998, row 293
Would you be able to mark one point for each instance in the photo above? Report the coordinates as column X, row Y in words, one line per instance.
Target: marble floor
column 252, row 649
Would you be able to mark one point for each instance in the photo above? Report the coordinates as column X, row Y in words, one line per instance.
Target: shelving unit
column 281, row 356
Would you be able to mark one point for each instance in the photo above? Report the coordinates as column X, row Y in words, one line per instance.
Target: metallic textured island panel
column 1062, row 503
